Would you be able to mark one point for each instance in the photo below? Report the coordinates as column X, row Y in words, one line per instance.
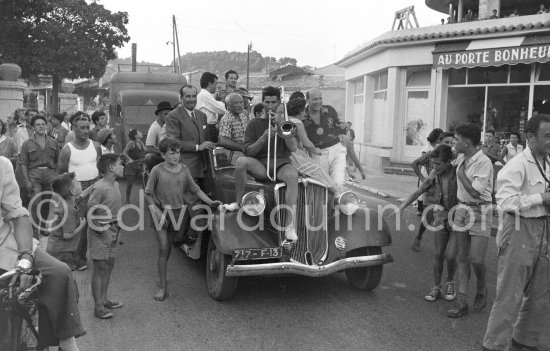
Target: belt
column 540, row 218
column 472, row 204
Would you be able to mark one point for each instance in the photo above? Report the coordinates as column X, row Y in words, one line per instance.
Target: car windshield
column 224, row 158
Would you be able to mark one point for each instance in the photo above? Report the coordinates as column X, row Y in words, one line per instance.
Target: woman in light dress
column 303, row 157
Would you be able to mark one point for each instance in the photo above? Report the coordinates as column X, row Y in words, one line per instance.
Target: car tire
column 220, row 286
column 365, row 278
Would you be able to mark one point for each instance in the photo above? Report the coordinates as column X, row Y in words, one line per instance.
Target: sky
column 316, row 33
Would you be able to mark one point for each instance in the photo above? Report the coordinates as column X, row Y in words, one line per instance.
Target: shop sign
column 492, row 57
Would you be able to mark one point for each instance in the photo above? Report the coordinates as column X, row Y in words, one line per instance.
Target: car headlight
column 348, row 203
column 253, row 203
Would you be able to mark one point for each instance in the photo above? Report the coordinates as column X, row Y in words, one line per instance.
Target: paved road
column 296, row 313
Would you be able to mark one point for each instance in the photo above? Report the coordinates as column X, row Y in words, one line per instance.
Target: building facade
column 404, row 83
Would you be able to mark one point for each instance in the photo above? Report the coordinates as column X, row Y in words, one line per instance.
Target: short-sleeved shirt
column 255, row 129
column 67, row 221
column 171, row 189
column 33, row 155
column 234, row 127
column 107, row 194
column 155, row 134
column 479, row 170
column 327, row 133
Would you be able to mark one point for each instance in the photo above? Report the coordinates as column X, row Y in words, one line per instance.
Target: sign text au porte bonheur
column 489, row 57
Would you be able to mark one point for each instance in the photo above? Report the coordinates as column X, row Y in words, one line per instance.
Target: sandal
column 103, row 313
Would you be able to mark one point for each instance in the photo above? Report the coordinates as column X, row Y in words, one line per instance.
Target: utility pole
column 248, row 65
column 175, row 28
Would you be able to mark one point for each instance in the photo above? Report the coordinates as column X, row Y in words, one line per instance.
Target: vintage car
column 334, row 235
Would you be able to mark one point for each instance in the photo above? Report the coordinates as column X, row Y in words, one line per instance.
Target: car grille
column 312, row 200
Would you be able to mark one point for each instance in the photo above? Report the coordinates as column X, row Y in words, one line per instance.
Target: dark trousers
column 82, row 250
column 58, row 294
column 41, row 180
column 212, row 133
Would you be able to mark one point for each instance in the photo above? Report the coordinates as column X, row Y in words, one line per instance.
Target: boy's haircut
column 471, row 131
column 105, row 161
column 62, row 183
column 295, row 106
column 490, row 131
column 207, row 78
column 29, row 111
column 59, row 116
column 446, row 135
column 168, row 144
column 187, row 86
column 516, row 134
column 271, row 91
column 96, row 115
column 257, row 108
column 36, row 118
column 78, row 116
column 434, row 135
column 533, row 124
column 296, row 94
column 442, row 152
column 231, row 71
column 132, row 134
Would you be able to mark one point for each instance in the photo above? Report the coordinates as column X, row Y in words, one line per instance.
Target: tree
column 67, row 39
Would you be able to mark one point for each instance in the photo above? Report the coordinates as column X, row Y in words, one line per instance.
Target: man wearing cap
column 156, row 132
column 209, row 106
column 233, row 123
column 99, row 118
column 324, row 129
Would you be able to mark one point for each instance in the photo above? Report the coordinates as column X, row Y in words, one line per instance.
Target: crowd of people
column 458, row 177
column 463, row 186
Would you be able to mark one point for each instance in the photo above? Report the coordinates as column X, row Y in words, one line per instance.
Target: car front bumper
column 278, row 268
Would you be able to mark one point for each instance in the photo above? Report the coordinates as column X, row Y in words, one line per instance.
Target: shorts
column 174, row 219
column 67, row 257
column 103, row 245
column 282, row 161
column 479, row 225
column 441, row 224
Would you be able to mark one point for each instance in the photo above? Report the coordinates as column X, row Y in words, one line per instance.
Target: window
column 381, row 81
column 457, row 76
column 505, row 74
column 380, row 120
column 358, row 91
column 419, row 76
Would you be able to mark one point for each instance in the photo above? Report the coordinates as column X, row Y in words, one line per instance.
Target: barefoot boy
column 165, row 193
column 103, row 230
column 67, row 226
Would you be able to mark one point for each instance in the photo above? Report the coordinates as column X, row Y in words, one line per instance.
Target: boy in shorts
column 167, row 191
column 442, row 181
column 67, row 226
column 103, row 241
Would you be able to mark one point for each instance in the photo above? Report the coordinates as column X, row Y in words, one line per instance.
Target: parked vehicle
column 133, row 98
column 249, row 242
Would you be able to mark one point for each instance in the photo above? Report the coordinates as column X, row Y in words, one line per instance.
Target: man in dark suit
column 188, row 126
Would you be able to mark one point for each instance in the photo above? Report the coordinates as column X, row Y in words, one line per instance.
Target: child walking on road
column 103, row 231
column 169, row 185
column 67, row 226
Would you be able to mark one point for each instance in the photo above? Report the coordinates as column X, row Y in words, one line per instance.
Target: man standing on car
column 188, row 126
column 209, row 106
column 522, row 303
column 231, row 79
column 324, row 129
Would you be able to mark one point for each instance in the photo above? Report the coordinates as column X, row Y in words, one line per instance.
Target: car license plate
column 254, row 254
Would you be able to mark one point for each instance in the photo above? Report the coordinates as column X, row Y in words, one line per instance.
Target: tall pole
column 248, row 65
column 174, row 43
column 177, row 42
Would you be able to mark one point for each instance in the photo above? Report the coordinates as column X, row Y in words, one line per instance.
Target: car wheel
column 220, row 286
column 365, row 278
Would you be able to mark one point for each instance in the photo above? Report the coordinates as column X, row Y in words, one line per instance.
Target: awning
column 492, row 52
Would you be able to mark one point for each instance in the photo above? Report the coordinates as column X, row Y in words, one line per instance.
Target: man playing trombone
column 268, row 157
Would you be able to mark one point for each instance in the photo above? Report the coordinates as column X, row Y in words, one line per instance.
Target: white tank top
column 83, row 162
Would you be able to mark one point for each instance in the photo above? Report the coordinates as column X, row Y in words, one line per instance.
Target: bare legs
column 165, row 239
column 100, row 281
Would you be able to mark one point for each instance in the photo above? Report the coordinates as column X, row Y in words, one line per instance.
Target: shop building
column 404, row 83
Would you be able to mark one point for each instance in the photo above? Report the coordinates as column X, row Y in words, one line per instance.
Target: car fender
column 364, row 228
column 236, row 230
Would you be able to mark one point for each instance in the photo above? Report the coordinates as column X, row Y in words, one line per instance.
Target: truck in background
column 133, row 99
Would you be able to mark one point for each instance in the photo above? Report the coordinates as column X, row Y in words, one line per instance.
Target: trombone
column 285, row 129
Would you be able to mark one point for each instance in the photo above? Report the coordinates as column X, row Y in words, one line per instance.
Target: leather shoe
column 459, row 310
column 480, row 301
